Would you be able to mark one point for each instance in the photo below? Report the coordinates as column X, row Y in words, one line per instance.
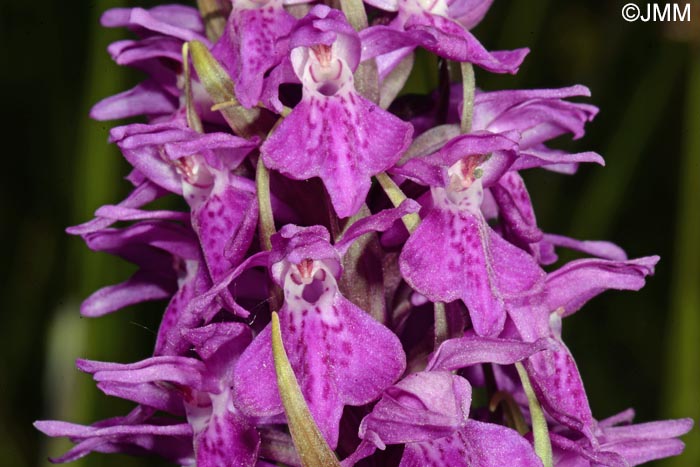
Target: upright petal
column 253, row 42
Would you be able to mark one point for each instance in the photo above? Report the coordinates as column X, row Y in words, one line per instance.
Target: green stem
column 468, row 85
column 193, row 120
column 441, row 326
column 267, row 221
column 266, row 227
column 543, row 445
column 396, row 196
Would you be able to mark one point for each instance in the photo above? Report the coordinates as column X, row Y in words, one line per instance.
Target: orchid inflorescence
column 317, row 316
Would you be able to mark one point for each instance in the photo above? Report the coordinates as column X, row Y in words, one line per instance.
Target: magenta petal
column 207, row 300
column 554, row 160
column 184, row 371
column 431, row 261
column 146, row 394
column 378, row 41
column 647, row 431
column 141, row 146
column 222, row 436
column 477, row 444
column 516, row 211
column 457, row 256
column 229, row 148
column 386, row 5
column 598, row 248
column 177, row 317
column 252, row 44
column 326, row 25
column 542, row 120
column 150, row 244
column 327, row 346
column 163, row 24
column 497, row 106
column 176, row 15
column 344, row 140
column 468, row 13
column 362, row 375
column 568, row 453
column 376, row 223
column 571, row 286
column 210, row 339
column 501, row 148
column 254, row 378
column 449, row 39
column 423, row 406
column 461, row 352
column 559, row 388
column 120, row 213
column 221, row 216
column 147, row 98
column 168, row 439
column 130, row 52
column 643, row 451
column 141, row 287
column 645, row 442
column 143, row 194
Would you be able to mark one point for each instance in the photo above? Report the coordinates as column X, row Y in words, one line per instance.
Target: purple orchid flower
column 333, row 133
column 224, row 208
column 325, row 335
column 440, row 26
column 454, row 254
column 169, row 257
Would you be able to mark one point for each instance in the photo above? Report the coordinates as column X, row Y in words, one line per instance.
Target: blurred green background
column 636, row 350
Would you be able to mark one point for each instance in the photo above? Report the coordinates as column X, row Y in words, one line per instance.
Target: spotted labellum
column 343, row 286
